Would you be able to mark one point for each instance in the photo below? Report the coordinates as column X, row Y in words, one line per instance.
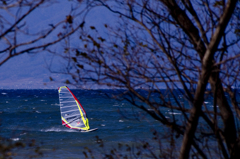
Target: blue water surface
column 34, row 115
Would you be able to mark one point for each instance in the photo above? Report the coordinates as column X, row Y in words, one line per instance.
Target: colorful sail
column 72, row 113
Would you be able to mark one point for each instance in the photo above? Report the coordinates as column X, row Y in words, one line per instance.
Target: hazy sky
column 30, row 71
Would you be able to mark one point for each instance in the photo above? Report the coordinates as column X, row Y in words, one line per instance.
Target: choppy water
column 27, row 115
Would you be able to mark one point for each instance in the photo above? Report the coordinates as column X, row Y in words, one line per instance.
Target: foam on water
column 55, row 129
column 15, row 139
column 173, row 113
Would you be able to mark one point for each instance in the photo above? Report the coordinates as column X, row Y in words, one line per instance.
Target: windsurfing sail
column 72, row 113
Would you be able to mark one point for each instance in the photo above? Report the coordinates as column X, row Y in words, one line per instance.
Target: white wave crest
column 54, row 129
column 15, row 139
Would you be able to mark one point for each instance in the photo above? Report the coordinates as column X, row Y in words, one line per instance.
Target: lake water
column 33, row 116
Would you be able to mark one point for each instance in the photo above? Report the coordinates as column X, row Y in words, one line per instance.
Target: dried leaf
column 69, row 19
